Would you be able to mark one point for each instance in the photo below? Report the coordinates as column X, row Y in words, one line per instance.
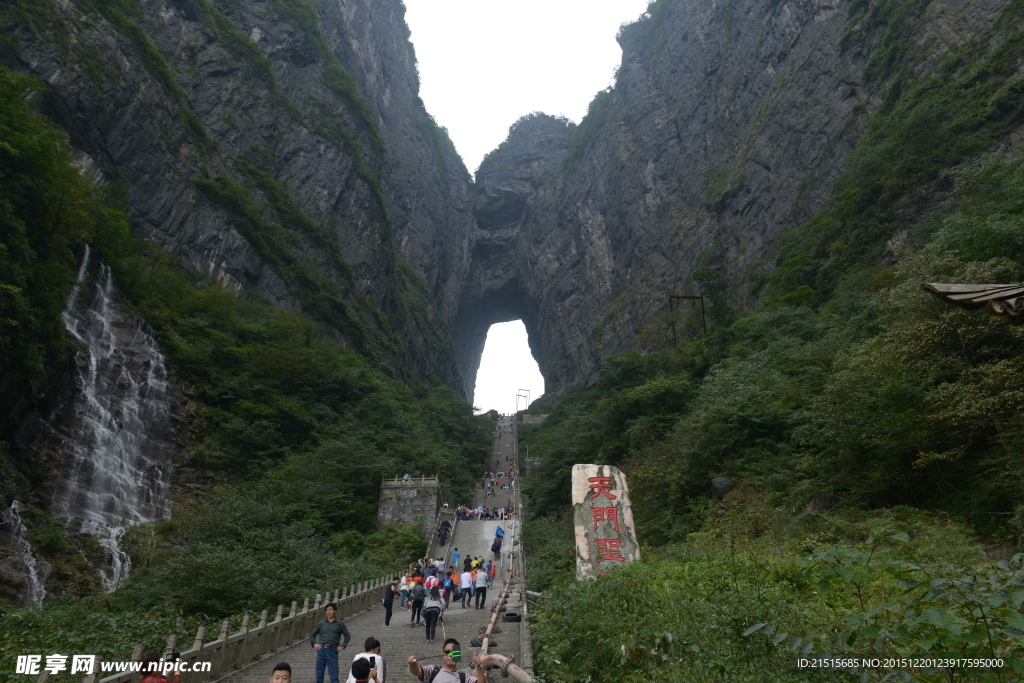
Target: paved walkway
column 473, row 538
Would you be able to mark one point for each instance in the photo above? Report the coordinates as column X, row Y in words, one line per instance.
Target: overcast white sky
column 485, row 63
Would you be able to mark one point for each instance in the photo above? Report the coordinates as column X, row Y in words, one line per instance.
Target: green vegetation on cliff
column 295, row 430
column 870, row 429
column 47, row 213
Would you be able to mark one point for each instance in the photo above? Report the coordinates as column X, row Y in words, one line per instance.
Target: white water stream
column 36, row 570
column 115, row 429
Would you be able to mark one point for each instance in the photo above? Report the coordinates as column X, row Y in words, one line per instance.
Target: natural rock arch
column 498, row 287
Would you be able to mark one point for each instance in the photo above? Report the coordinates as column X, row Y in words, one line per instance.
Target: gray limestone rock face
column 727, row 126
column 402, row 196
column 499, row 284
column 721, row 486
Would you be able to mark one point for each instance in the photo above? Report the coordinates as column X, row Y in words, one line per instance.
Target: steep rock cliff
column 279, row 147
column 727, row 126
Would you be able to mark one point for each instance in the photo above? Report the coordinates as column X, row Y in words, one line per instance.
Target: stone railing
column 236, row 650
column 433, row 548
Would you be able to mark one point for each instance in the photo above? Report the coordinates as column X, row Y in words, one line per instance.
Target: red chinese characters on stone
column 606, row 515
column 599, row 485
column 608, row 549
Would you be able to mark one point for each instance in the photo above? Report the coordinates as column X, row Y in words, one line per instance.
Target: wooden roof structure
column 1004, row 300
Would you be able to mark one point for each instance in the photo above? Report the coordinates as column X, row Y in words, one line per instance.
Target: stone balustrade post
column 197, row 645
column 222, row 651
column 260, row 645
column 292, row 618
column 278, row 628
column 172, row 645
column 242, row 642
column 94, row 675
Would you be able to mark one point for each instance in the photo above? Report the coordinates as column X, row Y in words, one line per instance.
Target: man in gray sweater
column 330, row 631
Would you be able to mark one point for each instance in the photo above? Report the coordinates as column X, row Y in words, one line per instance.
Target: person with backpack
column 447, row 586
column 496, row 549
column 480, row 588
column 448, row 672
column 416, row 602
column 433, row 605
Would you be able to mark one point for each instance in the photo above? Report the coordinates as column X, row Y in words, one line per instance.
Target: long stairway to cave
column 401, row 640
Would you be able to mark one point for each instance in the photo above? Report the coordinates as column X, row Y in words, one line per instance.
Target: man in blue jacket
column 330, row 631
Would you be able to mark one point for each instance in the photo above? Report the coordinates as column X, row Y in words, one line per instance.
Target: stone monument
column 605, row 533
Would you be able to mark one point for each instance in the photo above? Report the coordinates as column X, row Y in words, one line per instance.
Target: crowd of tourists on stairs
column 369, row 666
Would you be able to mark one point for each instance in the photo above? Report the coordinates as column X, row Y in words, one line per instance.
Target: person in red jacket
column 152, row 670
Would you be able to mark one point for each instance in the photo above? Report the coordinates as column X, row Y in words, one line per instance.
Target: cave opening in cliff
column 507, row 366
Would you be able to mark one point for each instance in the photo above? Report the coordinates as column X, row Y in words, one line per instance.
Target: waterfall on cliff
column 36, row 569
column 114, row 427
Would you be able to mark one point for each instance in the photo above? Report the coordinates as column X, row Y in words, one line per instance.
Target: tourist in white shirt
column 372, row 653
column 466, row 585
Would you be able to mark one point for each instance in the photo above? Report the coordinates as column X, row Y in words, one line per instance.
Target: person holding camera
column 362, row 672
column 448, row 672
column 330, row 631
column 374, row 663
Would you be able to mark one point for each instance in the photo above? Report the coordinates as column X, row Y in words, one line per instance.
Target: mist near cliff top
column 484, row 64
